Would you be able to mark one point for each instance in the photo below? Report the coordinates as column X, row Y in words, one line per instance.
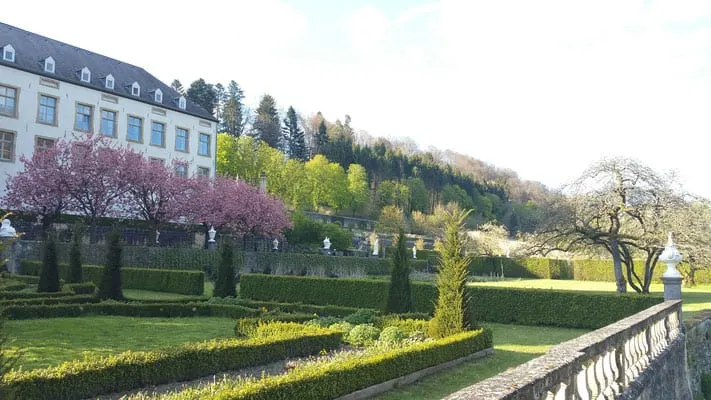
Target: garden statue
column 6, row 230
column 327, row 243
column 376, row 246
column 414, row 252
column 212, row 233
column 157, row 237
column 670, row 256
column 275, row 244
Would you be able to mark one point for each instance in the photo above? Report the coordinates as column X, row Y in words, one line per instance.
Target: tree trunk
column 617, row 265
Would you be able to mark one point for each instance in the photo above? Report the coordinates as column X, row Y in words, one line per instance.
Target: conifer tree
column 74, row 273
column 451, row 308
column 294, row 136
column 399, row 296
column 233, row 110
column 225, row 283
column 321, row 137
column 110, row 285
column 266, row 124
column 49, row 272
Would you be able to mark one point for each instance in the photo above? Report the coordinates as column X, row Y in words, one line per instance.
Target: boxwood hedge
column 130, row 370
column 161, row 280
column 9, row 295
column 78, row 299
column 571, row 309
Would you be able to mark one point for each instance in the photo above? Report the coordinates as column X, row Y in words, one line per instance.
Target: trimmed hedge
column 320, row 265
column 130, row 370
column 323, row 311
column 504, row 305
column 12, row 286
column 165, row 310
column 339, row 378
column 5, row 295
column 79, row 299
column 29, row 279
column 246, row 327
column 545, row 268
column 80, row 288
column 602, row 270
column 160, row 280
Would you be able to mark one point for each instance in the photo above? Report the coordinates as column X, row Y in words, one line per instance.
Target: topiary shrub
column 74, row 273
column 363, row 335
column 49, row 272
column 362, row 316
column 110, row 282
column 399, row 294
column 324, row 322
column 343, row 326
column 225, row 285
column 392, row 335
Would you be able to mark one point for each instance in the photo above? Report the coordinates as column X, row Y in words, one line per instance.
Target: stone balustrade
column 609, row 363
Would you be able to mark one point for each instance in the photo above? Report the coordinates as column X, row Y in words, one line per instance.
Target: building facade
column 50, row 90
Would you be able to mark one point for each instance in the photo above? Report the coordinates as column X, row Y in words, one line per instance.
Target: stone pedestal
column 10, row 256
column 211, row 245
column 672, row 287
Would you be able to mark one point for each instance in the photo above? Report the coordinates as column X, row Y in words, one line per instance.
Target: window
column 85, row 75
column 204, row 145
column 181, row 169
column 49, row 65
column 159, row 96
column 136, row 89
column 181, row 139
column 182, row 103
column 202, row 171
column 156, row 160
column 7, row 146
column 135, row 129
column 108, row 123
column 48, row 110
column 110, row 81
column 83, row 118
column 8, row 101
column 42, row 144
column 158, row 134
column 8, row 53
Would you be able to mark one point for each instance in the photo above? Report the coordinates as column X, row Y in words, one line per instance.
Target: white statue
column 376, row 246
column 327, row 243
column 212, row 233
column 6, row 230
column 157, row 237
column 275, row 244
column 414, row 252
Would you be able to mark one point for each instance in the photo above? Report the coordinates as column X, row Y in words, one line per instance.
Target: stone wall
column 698, row 349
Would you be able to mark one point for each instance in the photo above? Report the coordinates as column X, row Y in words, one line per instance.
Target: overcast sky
column 541, row 87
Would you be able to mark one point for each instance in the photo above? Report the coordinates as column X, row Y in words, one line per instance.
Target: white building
column 51, row 90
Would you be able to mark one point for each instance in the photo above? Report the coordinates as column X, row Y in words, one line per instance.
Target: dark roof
column 31, row 50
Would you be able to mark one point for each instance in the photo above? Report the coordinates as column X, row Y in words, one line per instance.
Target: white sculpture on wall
column 212, row 233
column 376, row 246
column 6, row 230
column 414, row 252
column 327, row 243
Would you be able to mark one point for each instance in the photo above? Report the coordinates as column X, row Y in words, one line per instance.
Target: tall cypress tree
column 74, row 273
column 321, row 137
column 294, row 136
column 110, row 285
column 233, row 110
column 266, row 124
column 49, row 273
column 225, row 283
column 399, row 296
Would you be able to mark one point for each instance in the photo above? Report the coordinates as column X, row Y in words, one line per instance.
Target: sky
column 540, row 87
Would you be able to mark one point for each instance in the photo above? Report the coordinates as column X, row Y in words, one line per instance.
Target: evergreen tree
column 203, row 94
column 321, row 138
column 220, row 99
column 266, row 125
column 74, row 273
column 451, row 308
column 233, row 110
column 110, row 285
column 225, row 283
column 49, row 273
column 399, row 296
column 294, row 136
column 177, row 86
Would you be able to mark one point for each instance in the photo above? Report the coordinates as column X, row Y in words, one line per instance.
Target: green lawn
column 513, row 345
column 695, row 299
column 46, row 342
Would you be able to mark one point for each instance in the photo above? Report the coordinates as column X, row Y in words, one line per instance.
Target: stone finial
column 212, row 232
column 6, row 229
column 671, row 257
column 327, row 243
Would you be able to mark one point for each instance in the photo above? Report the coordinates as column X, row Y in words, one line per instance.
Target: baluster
column 593, row 383
column 629, row 361
column 581, row 384
column 646, row 346
column 616, row 367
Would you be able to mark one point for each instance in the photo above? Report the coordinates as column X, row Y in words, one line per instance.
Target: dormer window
column 8, row 53
column 136, row 89
column 158, row 96
column 49, row 65
column 85, row 75
column 182, row 103
column 109, row 82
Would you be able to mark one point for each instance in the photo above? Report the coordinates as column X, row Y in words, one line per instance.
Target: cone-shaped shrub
column 110, row 285
column 399, row 296
column 450, row 310
column 225, row 283
column 74, row 272
column 49, row 273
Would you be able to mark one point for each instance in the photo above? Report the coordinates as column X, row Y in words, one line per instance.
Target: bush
column 225, row 285
column 109, row 286
column 130, row 370
column 399, row 295
column 323, row 322
column 339, row 378
column 392, row 335
column 32, row 280
column 362, row 316
column 706, row 386
column 363, row 335
column 336, row 311
column 9, row 295
column 279, row 328
column 568, row 309
column 343, row 327
column 49, row 273
column 80, row 288
column 246, row 327
column 407, row 325
column 308, row 232
column 12, row 285
column 77, row 299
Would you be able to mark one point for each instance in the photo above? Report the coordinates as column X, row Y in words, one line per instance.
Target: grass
column 695, row 299
column 513, row 345
column 48, row 342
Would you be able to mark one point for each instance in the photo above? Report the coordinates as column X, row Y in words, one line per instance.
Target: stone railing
column 608, row 363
